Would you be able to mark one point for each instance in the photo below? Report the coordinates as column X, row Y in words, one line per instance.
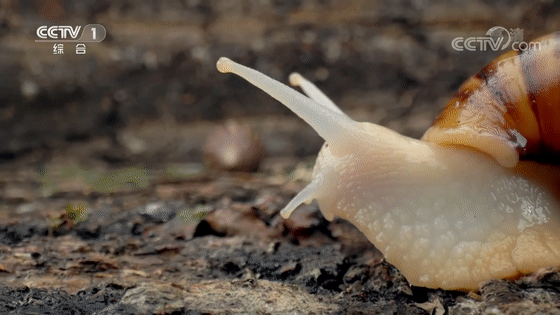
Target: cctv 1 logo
column 65, row 33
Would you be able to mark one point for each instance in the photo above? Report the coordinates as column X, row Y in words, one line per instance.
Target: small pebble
column 233, row 147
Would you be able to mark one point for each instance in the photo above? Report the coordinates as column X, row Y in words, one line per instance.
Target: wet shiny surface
column 517, row 94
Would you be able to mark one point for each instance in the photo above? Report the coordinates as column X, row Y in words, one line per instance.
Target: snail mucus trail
column 452, row 210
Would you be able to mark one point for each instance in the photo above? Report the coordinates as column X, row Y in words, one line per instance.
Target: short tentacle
column 305, row 196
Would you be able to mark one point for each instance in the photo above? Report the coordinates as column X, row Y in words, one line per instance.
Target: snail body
column 471, row 201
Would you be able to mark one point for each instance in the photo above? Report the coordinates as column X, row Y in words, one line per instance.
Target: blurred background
column 150, row 93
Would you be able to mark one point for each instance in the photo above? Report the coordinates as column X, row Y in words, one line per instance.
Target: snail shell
column 509, row 109
column 476, row 199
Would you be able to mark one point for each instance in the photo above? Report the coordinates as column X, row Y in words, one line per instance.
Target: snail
column 476, row 198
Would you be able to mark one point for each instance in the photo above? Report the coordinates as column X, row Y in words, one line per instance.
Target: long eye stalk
column 330, row 123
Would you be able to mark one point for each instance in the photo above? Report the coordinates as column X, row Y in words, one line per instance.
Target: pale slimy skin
column 445, row 217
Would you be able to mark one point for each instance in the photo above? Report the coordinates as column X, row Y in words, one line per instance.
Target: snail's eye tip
column 224, row 65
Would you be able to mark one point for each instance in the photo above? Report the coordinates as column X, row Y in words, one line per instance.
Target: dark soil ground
column 184, row 240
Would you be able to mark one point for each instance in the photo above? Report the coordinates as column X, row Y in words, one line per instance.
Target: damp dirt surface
column 180, row 239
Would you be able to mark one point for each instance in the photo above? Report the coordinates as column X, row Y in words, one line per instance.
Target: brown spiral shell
column 513, row 102
column 515, row 98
